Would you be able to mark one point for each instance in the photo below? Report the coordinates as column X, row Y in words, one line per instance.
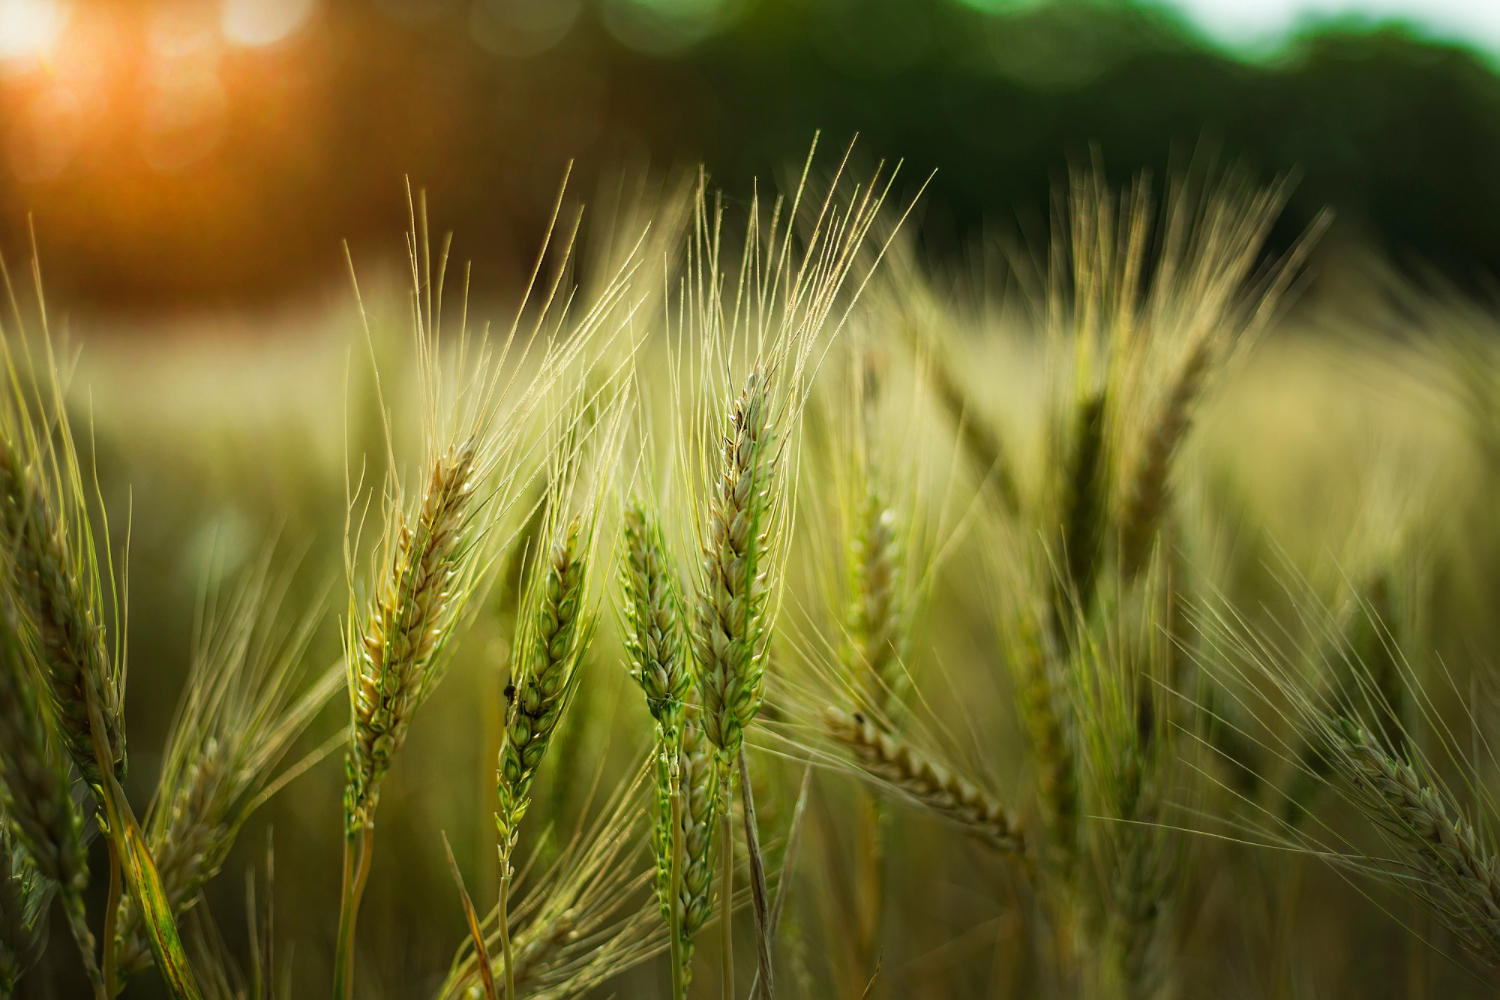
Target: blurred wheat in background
column 743, row 592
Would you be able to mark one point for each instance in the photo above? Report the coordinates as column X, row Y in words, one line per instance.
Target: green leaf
column 156, row 913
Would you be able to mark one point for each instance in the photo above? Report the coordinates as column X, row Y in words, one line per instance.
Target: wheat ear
column 37, row 784
column 1052, row 753
column 65, row 617
column 1458, row 873
column 652, row 635
column 393, row 664
column 687, row 804
column 653, row 640
column 392, row 659
column 902, row 767
column 236, row 720
column 556, row 633
column 876, row 621
column 1146, row 494
column 729, row 633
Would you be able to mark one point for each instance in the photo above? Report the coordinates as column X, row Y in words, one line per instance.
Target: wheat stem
column 726, row 879
column 504, row 927
column 759, row 894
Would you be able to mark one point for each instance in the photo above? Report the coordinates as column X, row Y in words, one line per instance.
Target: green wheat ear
column 551, row 644
column 729, row 632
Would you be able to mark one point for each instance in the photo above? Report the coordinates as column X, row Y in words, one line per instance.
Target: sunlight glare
column 262, row 22
column 29, row 27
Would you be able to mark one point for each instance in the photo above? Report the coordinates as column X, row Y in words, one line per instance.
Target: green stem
column 726, row 882
column 111, row 920
column 358, row 846
column 674, row 884
column 510, row 965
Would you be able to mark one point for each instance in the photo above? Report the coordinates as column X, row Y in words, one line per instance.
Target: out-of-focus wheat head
column 24, row 895
column 1434, row 843
column 581, row 921
column 1132, row 773
column 36, row 779
column 49, row 537
column 239, row 713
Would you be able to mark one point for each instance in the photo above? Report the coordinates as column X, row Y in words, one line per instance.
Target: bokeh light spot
column 29, row 27
column 664, row 27
column 263, row 22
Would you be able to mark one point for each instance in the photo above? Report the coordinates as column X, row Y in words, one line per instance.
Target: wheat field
column 752, row 608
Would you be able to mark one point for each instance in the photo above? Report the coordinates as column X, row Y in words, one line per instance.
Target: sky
column 1253, row 24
